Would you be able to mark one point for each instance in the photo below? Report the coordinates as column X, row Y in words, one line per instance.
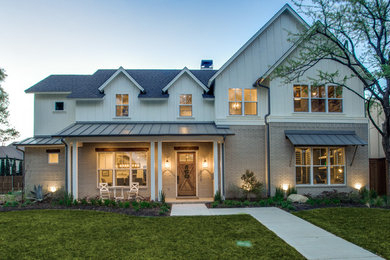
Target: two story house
column 192, row 133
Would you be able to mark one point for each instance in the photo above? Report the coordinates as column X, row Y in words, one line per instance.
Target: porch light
column 358, row 186
column 285, row 186
column 205, row 164
column 167, row 164
column 53, row 189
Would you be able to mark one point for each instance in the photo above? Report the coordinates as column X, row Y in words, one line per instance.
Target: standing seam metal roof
column 321, row 138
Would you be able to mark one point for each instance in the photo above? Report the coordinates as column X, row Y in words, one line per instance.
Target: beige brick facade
column 40, row 172
column 283, row 159
column 244, row 150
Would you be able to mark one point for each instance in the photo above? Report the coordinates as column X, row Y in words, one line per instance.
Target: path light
column 53, row 189
column 285, row 186
column 358, row 186
column 205, row 164
column 167, row 165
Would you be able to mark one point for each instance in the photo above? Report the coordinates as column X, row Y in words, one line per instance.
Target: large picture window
column 319, row 165
column 122, row 105
column 318, row 99
column 122, row 168
column 239, row 105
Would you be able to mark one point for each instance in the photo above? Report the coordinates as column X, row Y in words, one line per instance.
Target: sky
column 39, row 38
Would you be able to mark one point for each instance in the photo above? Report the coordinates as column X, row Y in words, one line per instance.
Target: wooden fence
column 10, row 183
column 378, row 175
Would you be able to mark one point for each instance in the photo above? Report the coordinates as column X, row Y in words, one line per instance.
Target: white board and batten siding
column 141, row 110
column 47, row 121
column 250, row 64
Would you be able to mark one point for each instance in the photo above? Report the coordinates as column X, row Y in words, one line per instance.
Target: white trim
column 196, row 171
column 75, row 171
column 185, row 70
column 121, row 70
column 286, row 7
column 152, row 172
column 215, row 165
column 159, row 169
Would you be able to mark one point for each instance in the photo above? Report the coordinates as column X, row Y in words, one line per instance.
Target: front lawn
column 89, row 234
column 365, row 227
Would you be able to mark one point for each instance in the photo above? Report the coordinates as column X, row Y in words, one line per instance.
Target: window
column 238, row 104
column 122, row 105
column 53, row 158
column 121, row 168
column 320, row 165
column 59, row 106
column 185, row 106
column 318, row 98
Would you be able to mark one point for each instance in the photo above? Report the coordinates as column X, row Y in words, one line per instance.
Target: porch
column 185, row 165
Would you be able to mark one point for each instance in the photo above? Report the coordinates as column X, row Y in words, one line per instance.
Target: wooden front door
column 186, row 174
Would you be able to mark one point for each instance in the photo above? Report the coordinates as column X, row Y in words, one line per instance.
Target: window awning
column 100, row 129
column 323, row 137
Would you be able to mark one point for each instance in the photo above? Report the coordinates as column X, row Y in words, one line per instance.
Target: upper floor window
column 318, row 98
column 122, row 105
column 239, row 105
column 59, row 106
column 185, row 106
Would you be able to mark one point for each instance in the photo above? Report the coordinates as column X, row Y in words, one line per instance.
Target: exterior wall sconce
column 167, row 164
column 285, row 186
column 205, row 164
column 52, row 189
column 358, row 186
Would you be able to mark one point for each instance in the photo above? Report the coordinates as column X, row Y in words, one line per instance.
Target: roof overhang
column 119, row 71
column 323, row 138
column 40, row 141
column 128, row 129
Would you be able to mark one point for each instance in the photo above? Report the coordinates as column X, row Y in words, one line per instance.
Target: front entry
column 186, row 174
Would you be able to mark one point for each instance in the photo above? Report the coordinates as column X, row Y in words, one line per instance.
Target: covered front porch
column 183, row 166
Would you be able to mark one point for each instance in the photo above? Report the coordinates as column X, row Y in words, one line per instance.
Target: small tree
column 2, row 168
column 20, row 172
column 7, row 171
column 251, row 185
column 13, row 168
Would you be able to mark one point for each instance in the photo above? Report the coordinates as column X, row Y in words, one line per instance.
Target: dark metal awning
column 321, row 138
column 100, row 129
column 40, row 140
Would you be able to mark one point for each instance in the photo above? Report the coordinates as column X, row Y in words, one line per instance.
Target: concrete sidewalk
column 309, row 240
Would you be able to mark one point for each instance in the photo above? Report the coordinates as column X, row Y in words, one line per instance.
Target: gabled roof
column 287, row 8
column 119, row 71
column 11, row 152
column 87, row 86
column 187, row 71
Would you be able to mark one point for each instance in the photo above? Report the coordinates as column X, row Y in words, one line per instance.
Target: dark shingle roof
column 11, row 152
column 86, row 86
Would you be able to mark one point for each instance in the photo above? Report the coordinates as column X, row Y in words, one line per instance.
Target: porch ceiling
column 100, row 129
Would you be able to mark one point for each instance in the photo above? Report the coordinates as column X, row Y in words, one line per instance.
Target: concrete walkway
column 309, row 240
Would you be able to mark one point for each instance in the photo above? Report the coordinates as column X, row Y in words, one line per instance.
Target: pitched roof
column 11, row 152
column 285, row 8
column 87, row 86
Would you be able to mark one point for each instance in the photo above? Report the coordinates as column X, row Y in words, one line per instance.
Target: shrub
column 93, row 202
column 163, row 209
column 84, row 201
column 162, row 196
column 126, row 204
column 134, row 204
column 214, row 204
column 251, row 185
column 38, row 194
column 11, row 204
column 246, row 203
column 217, row 196
column 107, row 202
column 26, row 203
column 120, row 204
column 113, row 203
column 291, row 190
column 145, row 204
column 100, row 202
column 279, row 194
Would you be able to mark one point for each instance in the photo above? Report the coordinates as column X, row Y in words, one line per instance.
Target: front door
column 186, row 174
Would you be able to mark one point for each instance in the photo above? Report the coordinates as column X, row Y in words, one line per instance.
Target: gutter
column 66, row 165
column 258, row 84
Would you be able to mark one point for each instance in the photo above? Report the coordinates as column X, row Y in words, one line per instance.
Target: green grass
column 89, row 234
column 368, row 228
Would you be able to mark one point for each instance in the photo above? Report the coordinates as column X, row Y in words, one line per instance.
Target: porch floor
column 189, row 200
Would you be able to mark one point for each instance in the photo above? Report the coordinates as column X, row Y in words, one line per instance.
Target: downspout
column 268, row 137
column 66, row 165
column 23, row 172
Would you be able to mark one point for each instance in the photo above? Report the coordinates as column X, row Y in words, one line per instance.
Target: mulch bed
column 146, row 212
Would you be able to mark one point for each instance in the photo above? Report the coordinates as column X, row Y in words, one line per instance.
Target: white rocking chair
column 104, row 191
column 134, row 188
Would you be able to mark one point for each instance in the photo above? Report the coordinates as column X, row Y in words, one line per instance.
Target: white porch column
column 222, row 171
column 152, row 173
column 216, row 164
column 159, row 168
column 69, row 168
column 75, row 171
